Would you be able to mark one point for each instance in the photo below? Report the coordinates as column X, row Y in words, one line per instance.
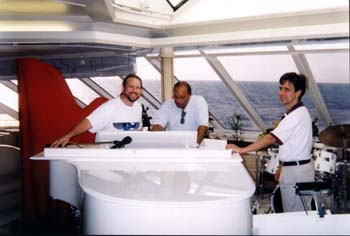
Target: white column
column 167, row 72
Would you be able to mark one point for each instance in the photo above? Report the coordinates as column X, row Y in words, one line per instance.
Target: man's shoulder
column 113, row 100
column 301, row 111
column 199, row 99
column 169, row 103
column 137, row 105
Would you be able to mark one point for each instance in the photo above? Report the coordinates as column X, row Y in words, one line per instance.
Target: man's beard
column 130, row 99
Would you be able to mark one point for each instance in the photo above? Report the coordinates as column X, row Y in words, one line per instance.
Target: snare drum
column 272, row 161
column 324, row 161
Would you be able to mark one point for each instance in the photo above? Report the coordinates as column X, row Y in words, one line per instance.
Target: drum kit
column 336, row 166
column 331, row 158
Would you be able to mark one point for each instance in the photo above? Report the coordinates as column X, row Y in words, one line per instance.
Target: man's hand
column 234, row 148
column 157, row 127
column 61, row 141
column 278, row 174
column 80, row 128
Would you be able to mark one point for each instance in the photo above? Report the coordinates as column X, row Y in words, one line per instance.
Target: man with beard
column 122, row 113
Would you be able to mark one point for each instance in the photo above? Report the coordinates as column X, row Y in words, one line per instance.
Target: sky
column 326, row 67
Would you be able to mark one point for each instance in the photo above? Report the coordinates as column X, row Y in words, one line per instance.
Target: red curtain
column 47, row 111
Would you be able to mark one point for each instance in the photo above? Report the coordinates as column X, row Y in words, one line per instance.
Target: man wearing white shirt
column 121, row 113
column 294, row 134
column 185, row 112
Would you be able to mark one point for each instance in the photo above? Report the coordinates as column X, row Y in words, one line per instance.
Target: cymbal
column 336, row 136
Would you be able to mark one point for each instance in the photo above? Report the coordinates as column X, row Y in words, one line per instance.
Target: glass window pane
column 261, row 83
column 113, row 85
column 8, row 121
column 329, row 67
column 8, row 97
column 150, row 77
column 204, row 81
column 81, row 91
column 331, row 72
column 194, row 69
column 260, row 68
column 222, row 104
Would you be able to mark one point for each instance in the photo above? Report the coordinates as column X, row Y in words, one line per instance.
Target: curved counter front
column 164, row 191
column 195, row 199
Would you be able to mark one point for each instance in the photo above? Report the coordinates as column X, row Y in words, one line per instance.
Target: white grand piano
column 160, row 183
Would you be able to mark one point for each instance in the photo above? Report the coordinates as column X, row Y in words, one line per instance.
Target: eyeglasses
column 183, row 113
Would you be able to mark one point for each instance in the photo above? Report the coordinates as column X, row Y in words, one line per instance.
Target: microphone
column 120, row 144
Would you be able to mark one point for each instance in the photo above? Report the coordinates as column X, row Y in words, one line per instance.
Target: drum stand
column 260, row 162
column 343, row 188
column 316, row 190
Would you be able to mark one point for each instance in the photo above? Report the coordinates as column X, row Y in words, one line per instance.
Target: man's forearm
column 80, row 128
column 201, row 131
column 266, row 141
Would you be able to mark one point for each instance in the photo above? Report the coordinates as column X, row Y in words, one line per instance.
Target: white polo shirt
column 295, row 133
column 169, row 115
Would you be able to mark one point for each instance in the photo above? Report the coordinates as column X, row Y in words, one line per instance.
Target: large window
column 204, row 81
column 8, row 107
column 255, row 70
column 260, row 84
column 331, row 72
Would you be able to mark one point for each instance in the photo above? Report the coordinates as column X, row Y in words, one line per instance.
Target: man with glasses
column 121, row 113
column 185, row 112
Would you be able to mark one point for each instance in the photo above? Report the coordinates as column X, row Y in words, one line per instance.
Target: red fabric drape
column 47, row 110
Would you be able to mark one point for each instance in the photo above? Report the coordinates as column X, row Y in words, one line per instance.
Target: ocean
column 263, row 96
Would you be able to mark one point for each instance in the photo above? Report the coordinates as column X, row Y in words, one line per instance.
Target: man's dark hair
column 125, row 80
column 184, row 84
column 299, row 82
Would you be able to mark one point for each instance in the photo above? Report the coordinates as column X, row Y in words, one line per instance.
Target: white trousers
column 289, row 176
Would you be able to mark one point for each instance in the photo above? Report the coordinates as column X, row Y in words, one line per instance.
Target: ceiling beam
column 304, row 68
column 9, row 111
column 96, row 87
column 10, row 85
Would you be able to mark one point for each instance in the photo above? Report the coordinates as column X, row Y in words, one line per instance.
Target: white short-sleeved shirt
column 169, row 115
column 295, row 133
column 114, row 115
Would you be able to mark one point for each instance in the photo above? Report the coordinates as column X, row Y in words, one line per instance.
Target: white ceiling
column 141, row 24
